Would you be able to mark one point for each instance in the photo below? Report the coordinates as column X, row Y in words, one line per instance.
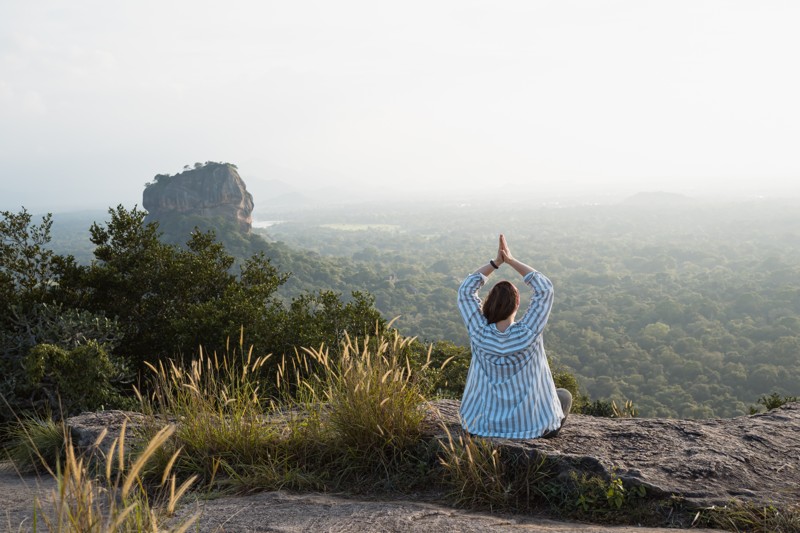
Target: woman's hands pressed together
column 505, row 252
column 501, row 249
column 504, row 256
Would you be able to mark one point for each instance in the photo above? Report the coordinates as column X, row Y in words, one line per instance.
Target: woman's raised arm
column 519, row 266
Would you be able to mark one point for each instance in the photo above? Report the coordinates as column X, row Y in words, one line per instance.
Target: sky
column 400, row 99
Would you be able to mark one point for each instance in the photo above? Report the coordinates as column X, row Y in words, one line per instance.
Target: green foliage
column 601, row 408
column 688, row 311
column 444, row 366
column 76, row 380
column 65, row 329
column 27, row 266
column 164, row 300
column 773, row 401
column 564, row 379
column 597, row 499
column 478, row 475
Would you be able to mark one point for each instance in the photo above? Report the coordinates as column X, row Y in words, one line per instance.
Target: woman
column 510, row 391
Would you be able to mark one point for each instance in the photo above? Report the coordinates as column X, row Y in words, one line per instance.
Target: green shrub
column 77, row 379
column 773, row 401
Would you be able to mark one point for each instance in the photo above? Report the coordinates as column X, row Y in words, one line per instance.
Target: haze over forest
column 356, row 101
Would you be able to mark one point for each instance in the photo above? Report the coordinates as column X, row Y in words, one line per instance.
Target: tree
column 27, row 267
column 169, row 299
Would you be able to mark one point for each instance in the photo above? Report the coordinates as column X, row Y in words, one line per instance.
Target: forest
column 688, row 309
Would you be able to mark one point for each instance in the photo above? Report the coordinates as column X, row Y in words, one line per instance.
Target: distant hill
column 657, row 199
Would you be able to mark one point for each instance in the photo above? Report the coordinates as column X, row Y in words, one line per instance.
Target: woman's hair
column 503, row 300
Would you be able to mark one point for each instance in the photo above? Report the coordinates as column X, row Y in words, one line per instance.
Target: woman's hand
column 501, row 258
column 520, row 267
column 504, row 252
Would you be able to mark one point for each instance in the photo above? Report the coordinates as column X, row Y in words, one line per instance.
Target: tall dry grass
column 103, row 494
column 326, row 421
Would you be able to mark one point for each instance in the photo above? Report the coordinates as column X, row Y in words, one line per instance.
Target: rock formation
column 753, row 459
column 210, row 190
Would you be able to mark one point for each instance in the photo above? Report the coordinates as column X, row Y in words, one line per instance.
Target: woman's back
column 510, row 391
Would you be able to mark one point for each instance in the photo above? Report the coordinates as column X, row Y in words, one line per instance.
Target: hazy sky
column 97, row 97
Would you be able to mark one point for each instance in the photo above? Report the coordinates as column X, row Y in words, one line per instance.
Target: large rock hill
column 210, row 190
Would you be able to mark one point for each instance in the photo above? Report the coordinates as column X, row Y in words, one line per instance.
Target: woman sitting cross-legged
column 510, row 391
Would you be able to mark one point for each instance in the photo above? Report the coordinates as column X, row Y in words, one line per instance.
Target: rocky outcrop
column 753, row 459
column 86, row 428
column 210, row 190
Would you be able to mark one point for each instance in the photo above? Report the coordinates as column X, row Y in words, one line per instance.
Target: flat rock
column 295, row 513
column 86, row 428
column 753, row 459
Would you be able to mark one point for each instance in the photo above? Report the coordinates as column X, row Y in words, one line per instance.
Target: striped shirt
column 510, row 391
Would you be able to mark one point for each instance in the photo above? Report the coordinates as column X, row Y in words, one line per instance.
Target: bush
column 773, row 401
column 78, row 379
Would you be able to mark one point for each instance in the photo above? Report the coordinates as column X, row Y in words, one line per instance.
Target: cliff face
column 213, row 190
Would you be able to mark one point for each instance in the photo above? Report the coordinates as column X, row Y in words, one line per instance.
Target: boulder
column 86, row 428
column 753, row 459
column 210, row 190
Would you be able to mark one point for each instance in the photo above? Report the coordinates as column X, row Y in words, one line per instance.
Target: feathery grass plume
column 329, row 421
column 82, row 502
column 223, row 424
column 473, row 472
column 373, row 407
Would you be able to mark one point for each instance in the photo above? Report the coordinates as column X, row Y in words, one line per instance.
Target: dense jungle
column 685, row 308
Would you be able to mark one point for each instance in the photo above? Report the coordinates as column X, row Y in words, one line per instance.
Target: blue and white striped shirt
column 510, row 391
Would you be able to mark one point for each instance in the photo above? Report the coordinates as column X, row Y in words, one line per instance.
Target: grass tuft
column 479, row 477
column 748, row 517
column 91, row 498
column 36, row 445
column 327, row 422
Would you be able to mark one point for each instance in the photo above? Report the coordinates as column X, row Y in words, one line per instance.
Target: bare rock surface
column 215, row 189
column 86, row 428
column 295, row 513
column 285, row 512
column 753, row 459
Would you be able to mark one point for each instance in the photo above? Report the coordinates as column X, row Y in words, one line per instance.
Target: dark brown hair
column 503, row 300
